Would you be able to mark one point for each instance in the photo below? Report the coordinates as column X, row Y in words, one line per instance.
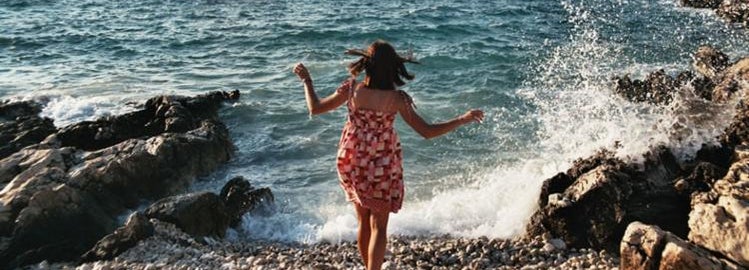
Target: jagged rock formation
column 733, row 11
column 705, row 200
column 702, row 3
column 137, row 228
column 21, row 126
column 719, row 220
column 198, row 214
column 605, row 195
column 62, row 195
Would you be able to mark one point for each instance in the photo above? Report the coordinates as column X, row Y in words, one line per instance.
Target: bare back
column 388, row 101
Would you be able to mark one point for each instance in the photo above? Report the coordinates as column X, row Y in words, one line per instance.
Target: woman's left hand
column 301, row 71
column 473, row 116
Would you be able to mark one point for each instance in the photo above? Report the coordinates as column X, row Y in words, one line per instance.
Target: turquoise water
column 540, row 69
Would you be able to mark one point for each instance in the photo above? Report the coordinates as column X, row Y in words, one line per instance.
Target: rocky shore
column 734, row 11
column 64, row 189
column 663, row 213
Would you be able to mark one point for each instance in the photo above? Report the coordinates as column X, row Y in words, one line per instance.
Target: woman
column 369, row 152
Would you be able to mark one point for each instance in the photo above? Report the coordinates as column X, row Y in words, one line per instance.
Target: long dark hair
column 384, row 68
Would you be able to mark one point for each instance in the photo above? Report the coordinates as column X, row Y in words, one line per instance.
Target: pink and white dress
column 369, row 158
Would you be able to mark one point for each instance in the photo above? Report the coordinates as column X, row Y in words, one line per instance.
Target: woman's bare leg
column 362, row 239
column 378, row 243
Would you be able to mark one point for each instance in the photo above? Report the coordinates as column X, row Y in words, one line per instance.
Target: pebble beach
column 171, row 248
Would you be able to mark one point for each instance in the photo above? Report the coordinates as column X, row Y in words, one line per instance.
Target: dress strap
column 351, row 88
column 347, row 87
column 409, row 101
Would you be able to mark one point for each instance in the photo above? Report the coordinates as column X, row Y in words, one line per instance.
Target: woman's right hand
column 301, row 71
column 473, row 116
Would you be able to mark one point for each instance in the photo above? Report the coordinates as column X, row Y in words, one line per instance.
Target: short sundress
column 369, row 159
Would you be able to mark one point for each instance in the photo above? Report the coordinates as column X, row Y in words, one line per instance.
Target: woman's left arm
column 314, row 104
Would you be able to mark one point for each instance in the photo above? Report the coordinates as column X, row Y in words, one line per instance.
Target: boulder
column 646, row 247
column 656, row 88
column 720, row 155
column 122, row 175
column 701, row 179
column 595, row 209
column 198, row 214
column 240, row 197
column 719, row 220
column 722, row 227
column 735, row 11
column 712, row 4
column 136, row 228
column 595, row 212
column 57, row 224
column 709, row 62
column 659, row 88
column 21, row 126
column 208, row 214
column 732, row 79
column 30, row 170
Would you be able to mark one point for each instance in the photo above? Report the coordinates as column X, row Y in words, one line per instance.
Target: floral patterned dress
column 369, row 158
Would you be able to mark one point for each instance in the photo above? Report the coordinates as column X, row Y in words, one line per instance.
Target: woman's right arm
column 314, row 104
column 428, row 130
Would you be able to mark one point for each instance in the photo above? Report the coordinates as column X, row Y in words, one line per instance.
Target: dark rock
column 657, row 88
column 21, row 126
column 556, row 184
column 135, row 229
column 701, row 86
column 28, row 172
column 208, row 214
column 595, row 209
column 735, row 11
column 731, row 80
column 596, row 212
column 160, row 114
column 124, row 174
column 708, row 61
column 198, row 214
column 602, row 157
column 737, row 132
column 660, row 166
column 702, row 177
column 58, row 224
column 240, row 197
column 58, row 201
column 720, row 155
column 712, row 4
column 654, row 199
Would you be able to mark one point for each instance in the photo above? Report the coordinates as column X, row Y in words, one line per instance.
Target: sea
column 542, row 70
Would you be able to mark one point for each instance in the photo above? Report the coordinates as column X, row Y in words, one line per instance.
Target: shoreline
column 170, row 248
